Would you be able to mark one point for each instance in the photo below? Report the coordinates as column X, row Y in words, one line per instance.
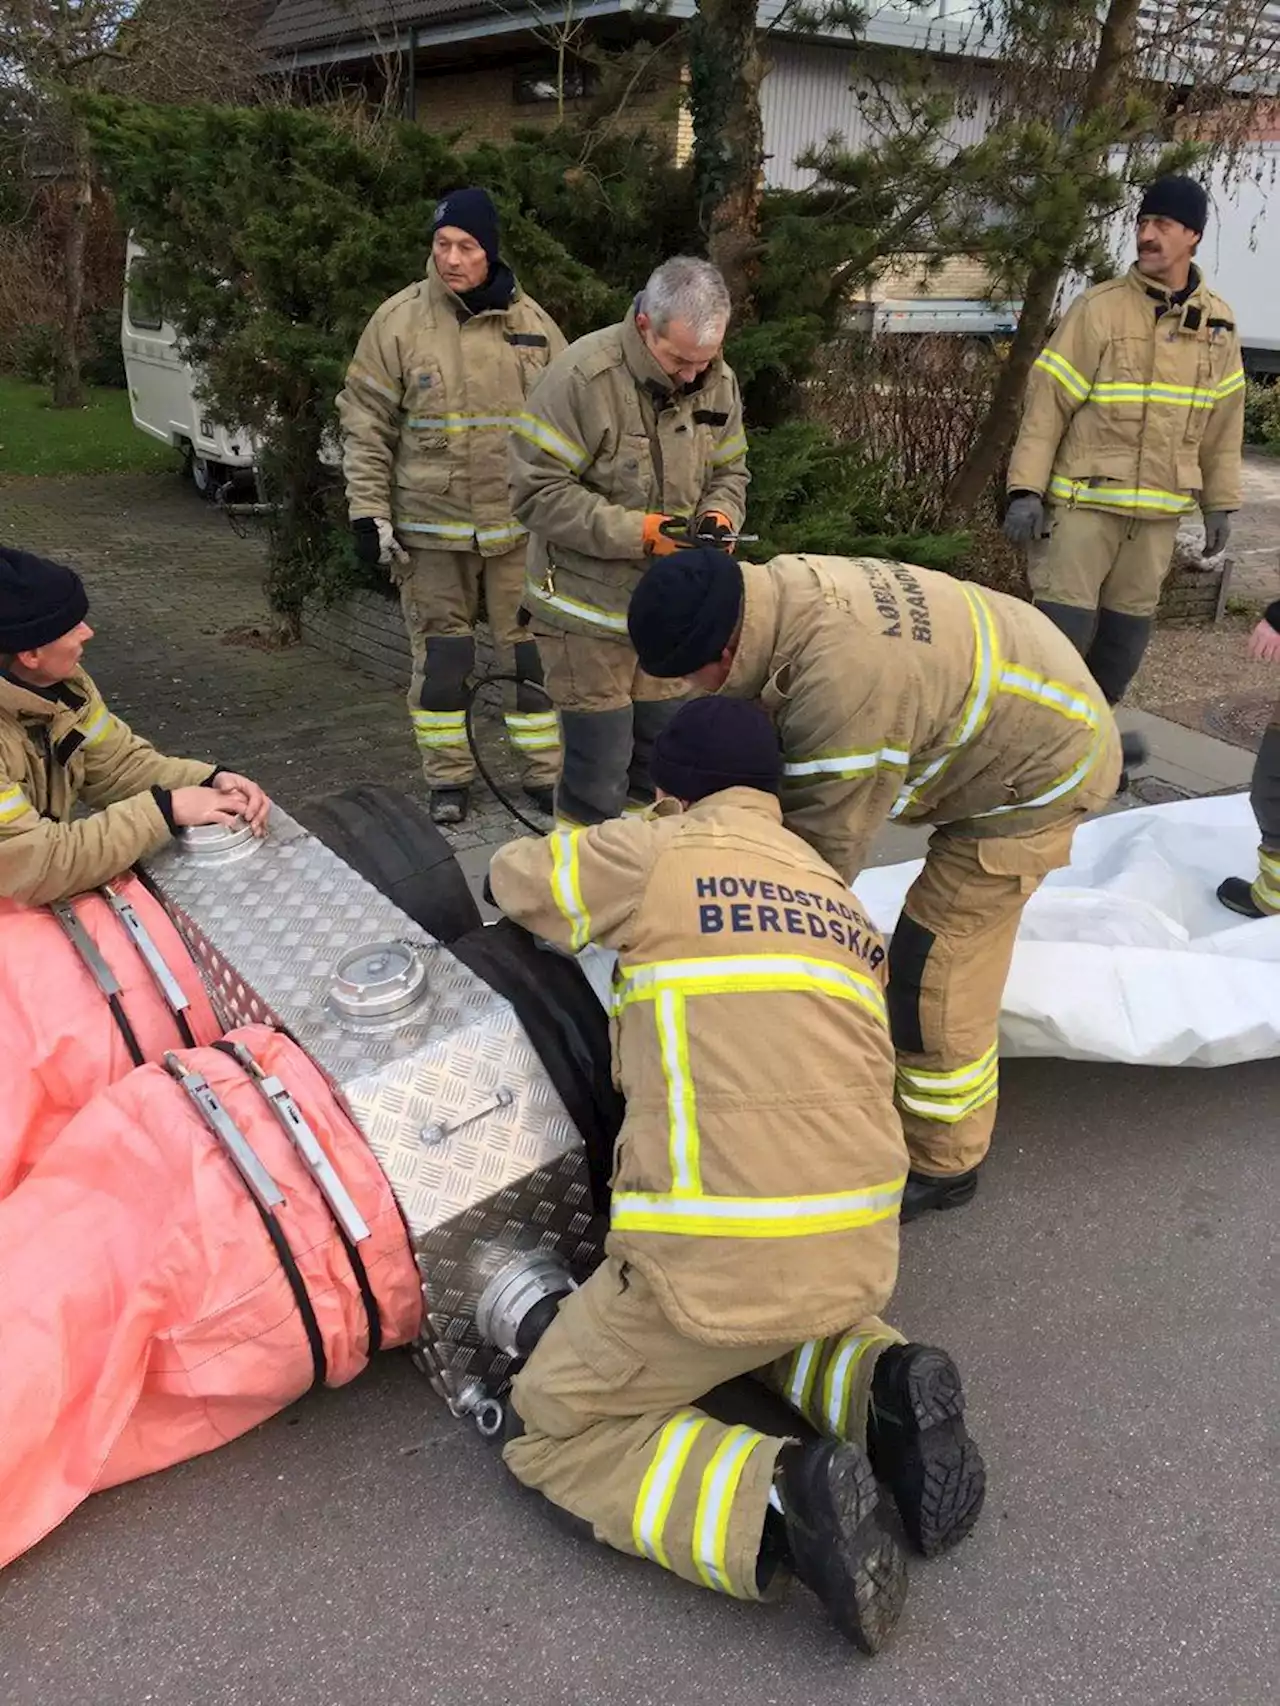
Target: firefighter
column 900, row 693
column 1261, row 898
column 438, row 377
column 1134, row 414
column 754, row 1213
column 60, row 746
column 632, row 440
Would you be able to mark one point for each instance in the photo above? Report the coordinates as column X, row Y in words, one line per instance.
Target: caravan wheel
column 207, row 477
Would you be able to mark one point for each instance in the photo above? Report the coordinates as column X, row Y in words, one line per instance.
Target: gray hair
column 691, row 290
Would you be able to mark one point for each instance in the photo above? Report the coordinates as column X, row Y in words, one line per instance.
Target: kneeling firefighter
column 754, row 1213
column 901, row 693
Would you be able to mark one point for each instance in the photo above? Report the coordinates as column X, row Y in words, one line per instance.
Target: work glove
column 376, row 542
column 1024, row 518
column 664, row 534
column 713, row 528
column 1217, row 530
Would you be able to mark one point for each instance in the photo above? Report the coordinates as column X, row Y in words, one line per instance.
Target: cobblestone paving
column 172, row 586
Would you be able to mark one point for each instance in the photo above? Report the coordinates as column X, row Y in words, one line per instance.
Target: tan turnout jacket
column 604, row 441
column 429, row 402
column 54, row 754
column 760, row 1167
column 900, row 692
column 1136, row 411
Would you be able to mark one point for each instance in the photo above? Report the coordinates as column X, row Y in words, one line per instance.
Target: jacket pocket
column 1029, row 858
column 626, row 475
column 587, row 1327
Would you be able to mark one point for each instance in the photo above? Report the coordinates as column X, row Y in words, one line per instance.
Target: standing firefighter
column 1261, row 897
column 438, row 378
column 632, row 441
column 1134, row 414
column 898, row 693
column 754, row 1214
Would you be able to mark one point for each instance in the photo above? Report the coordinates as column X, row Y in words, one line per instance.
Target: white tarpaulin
column 1127, row 955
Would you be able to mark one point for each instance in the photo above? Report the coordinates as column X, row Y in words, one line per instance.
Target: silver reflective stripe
column 437, row 529
column 611, row 622
column 848, row 763
column 715, row 1506
column 657, row 1490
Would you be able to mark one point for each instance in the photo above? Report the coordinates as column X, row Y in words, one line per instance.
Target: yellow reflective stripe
column 612, row 622
column 1266, row 891
column 501, row 535
column 754, row 1217
column 437, row 529
column 803, row 1368
column 1150, row 498
column 749, row 975
column 1230, row 385
column 1055, row 695
column 730, row 450
column 1113, row 391
column 1065, row 784
column 682, row 1107
column 837, row 1388
column 543, row 436
column 535, row 732
column 362, row 376
column 975, row 710
column 948, row 1113
column 657, row 1490
column 13, row 803
column 848, row 764
column 720, row 1483
column 1057, row 366
column 434, row 730
column 566, row 886
column 949, row 1096
column 457, row 422
column 99, row 728
column 959, row 1078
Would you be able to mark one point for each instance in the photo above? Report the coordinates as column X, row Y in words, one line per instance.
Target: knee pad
column 909, row 952
column 1077, row 624
column 1117, row 649
column 449, row 661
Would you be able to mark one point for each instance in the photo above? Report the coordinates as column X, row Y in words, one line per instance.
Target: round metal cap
column 378, row 980
column 217, row 840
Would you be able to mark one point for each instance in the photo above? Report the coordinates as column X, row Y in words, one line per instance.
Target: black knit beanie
column 684, row 611
column 1177, row 198
column 471, row 211
column 40, row 601
column 712, row 744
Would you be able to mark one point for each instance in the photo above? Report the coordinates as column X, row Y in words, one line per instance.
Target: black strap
column 70, row 743
column 359, row 1272
column 88, row 952
column 298, row 1286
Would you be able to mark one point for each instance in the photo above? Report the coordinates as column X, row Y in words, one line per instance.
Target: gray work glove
column 1024, row 518
column 1217, row 530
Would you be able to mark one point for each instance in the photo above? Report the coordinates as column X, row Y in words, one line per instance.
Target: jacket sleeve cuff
column 163, row 798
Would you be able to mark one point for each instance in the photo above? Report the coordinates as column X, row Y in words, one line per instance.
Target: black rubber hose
column 481, row 767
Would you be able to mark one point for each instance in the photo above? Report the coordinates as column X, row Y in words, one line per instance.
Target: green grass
column 101, row 438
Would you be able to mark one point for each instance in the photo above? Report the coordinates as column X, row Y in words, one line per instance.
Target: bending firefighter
column 61, row 747
column 437, row 382
column 754, row 1215
column 1261, row 898
column 898, row 693
column 632, row 441
column 1134, row 414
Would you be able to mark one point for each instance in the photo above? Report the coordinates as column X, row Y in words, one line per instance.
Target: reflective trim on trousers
column 435, row 731
column 720, row 1481
column 532, row 731
column 949, row 1097
column 1266, row 891
column 658, row 1489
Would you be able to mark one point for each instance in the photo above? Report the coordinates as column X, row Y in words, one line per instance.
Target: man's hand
column 664, row 534
column 1217, row 530
column 713, row 528
column 191, row 806
column 252, row 804
column 1264, row 643
column 1024, row 518
column 376, row 542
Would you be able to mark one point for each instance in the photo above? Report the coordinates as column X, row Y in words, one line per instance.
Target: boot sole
column 955, row 1198
column 864, row 1573
column 934, row 1470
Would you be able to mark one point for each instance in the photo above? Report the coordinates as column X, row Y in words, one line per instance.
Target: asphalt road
column 1111, row 1299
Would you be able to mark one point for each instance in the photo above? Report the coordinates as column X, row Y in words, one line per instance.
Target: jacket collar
column 739, row 800
column 446, row 300
column 647, row 372
column 753, row 662
column 19, row 700
column 1161, row 292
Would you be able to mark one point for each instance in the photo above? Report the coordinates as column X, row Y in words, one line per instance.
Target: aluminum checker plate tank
column 454, row 1102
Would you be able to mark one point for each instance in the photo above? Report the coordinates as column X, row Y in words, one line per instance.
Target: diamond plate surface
column 454, row 1102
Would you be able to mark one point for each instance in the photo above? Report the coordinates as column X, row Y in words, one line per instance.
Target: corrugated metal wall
column 812, row 93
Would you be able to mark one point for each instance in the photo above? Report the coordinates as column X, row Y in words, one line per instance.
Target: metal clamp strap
column 99, row 971
column 349, row 1223
column 265, row 1194
column 170, row 989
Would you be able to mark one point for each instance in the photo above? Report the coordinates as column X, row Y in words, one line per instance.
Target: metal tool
column 99, row 971
column 678, row 527
column 167, row 984
column 294, row 1125
column 262, row 1187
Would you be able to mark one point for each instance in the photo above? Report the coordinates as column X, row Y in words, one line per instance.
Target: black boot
column 1236, row 894
column 834, row 1541
column 450, row 805
column 543, row 796
column 931, row 1190
column 1117, row 650
column 917, row 1442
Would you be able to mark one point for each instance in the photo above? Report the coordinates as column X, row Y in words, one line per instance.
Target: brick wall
column 480, row 102
column 960, row 278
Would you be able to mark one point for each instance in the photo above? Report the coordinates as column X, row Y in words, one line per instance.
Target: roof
column 310, row 24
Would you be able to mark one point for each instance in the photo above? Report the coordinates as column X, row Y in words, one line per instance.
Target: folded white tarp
column 1127, row 955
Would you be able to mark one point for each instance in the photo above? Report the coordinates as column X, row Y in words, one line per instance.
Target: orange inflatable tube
column 147, row 1315
column 59, row 1043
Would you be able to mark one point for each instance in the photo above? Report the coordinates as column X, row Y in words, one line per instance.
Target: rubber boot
column 597, row 752
column 1236, row 893
column 649, row 718
column 1077, row 624
column 1117, row 650
column 925, row 1191
column 917, row 1442
column 449, row 805
column 829, row 1533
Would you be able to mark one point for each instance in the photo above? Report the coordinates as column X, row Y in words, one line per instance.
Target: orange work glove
column 713, row 527
column 659, row 531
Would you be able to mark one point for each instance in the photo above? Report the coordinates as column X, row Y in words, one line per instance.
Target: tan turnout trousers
column 613, row 1436
column 440, row 597
column 1094, row 559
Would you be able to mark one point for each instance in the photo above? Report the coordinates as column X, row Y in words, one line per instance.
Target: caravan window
column 140, row 318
